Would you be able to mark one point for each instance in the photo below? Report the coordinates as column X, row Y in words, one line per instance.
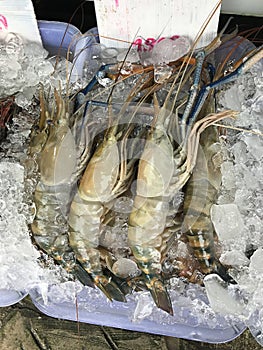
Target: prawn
column 165, row 167
column 107, row 175
column 200, row 193
column 52, row 147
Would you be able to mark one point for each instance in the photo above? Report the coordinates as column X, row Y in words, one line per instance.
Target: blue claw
column 244, row 66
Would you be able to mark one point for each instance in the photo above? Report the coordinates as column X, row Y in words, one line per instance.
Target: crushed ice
column 19, row 269
column 23, row 65
column 237, row 215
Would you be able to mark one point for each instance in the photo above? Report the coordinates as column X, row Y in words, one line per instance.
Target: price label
column 120, row 21
column 18, row 16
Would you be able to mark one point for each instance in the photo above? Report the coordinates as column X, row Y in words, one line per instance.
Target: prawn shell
column 201, row 192
column 58, row 158
column 147, row 221
column 156, row 165
column 84, row 220
column 101, row 173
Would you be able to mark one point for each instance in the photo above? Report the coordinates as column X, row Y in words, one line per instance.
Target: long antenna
column 64, row 35
column 122, row 65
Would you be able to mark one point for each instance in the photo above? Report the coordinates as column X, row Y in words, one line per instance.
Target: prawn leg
column 247, row 63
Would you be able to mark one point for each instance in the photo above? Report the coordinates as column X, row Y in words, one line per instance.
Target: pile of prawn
column 155, row 148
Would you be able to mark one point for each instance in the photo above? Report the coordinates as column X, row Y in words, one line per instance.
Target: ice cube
column 231, row 98
column 254, row 225
column 221, row 298
column 234, row 258
column 168, row 50
column 245, row 178
column 109, row 53
column 144, row 306
column 227, row 221
column 254, row 145
column 257, row 106
column 24, row 99
column 256, row 261
column 14, row 46
column 9, row 70
column 44, row 69
column 132, row 56
column 161, row 73
column 34, row 52
column 125, row 268
column 244, row 199
column 228, row 175
column 19, row 267
column 255, row 325
column 239, row 150
column 19, row 65
column 123, row 204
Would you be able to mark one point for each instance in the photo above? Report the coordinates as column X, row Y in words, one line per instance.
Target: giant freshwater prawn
column 85, row 165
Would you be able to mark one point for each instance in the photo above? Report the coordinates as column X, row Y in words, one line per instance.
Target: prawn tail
column 223, row 273
column 83, row 276
column 109, row 288
column 160, row 295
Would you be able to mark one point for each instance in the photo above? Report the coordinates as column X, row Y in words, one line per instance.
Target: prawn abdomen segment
column 147, row 223
column 201, row 192
column 149, row 261
column 84, row 222
column 148, row 214
column 50, row 223
column 202, row 244
column 86, row 252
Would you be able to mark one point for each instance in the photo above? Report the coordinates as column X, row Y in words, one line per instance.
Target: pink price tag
column 148, row 44
column 18, row 16
column 3, row 23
